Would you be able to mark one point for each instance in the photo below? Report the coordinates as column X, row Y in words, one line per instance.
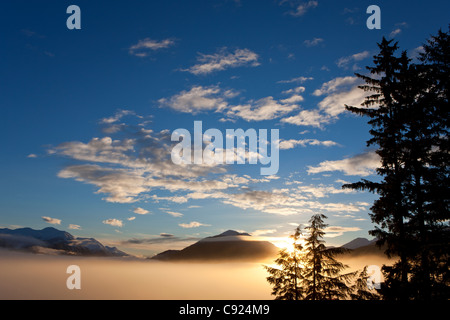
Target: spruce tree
column 409, row 116
column 361, row 290
column 285, row 278
column 389, row 212
column 322, row 278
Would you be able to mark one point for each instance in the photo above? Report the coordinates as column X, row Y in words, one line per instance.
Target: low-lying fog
column 35, row 276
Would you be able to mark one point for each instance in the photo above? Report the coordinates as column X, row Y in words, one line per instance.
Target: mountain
column 230, row 245
column 358, row 242
column 362, row 247
column 54, row 241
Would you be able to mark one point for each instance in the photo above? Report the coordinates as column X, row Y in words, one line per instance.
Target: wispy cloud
column 201, row 99
column 198, row 99
column 398, row 30
column 222, row 60
column 309, row 118
column 292, row 143
column 74, row 227
column 263, row 109
column 175, row 214
column 314, row 42
column 140, row 211
column 51, row 220
column 145, row 46
column 113, row 222
column 333, row 85
column 345, row 61
column 193, row 224
column 360, row 165
column 336, row 231
column 300, row 79
column 261, row 232
column 395, row 32
column 302, row 8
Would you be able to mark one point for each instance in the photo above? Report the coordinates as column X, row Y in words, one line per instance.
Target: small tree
column 361, row 290
column 285, row 279
column 311, row 271
column 322, row 276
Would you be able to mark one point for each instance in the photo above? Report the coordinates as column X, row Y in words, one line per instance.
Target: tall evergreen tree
column 410, row 123
column 312, row 272
column 322, row 278
column 389, row 211
column 427, row 157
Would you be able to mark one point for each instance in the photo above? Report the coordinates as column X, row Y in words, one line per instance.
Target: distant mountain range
column 54, row 241
column 227, row 246
column 230, row 245
column 358, row 243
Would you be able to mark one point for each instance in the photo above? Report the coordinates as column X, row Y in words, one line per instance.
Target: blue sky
column 86, row 115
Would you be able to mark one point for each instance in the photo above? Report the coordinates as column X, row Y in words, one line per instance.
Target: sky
column 87, row 114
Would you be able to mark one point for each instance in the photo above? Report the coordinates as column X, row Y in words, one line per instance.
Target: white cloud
column 74, row 227
column 97, row 150
column 175, row 214
column 335, row 84
column 262, row 109
column 339, row 92
column 331, row 232
column 193, row 224
column 334, row 104
column 416, row 52
column 198, row 99
column 360, row 165
column 297, row 79
column 224, row 60
column 131, row 218
column 145, row 46
column 314, row 42
column 292, row 143
column 311, row 118
column 345, row 61
column 32, row 155
column 261, row 232
column 131, row 170
column 395, row 32
column 113, row 222
column 398, row 30
column 117, row 116
column 202, row 99
column 301, row 9
column 51, row 220
column 295, row 90
column 122, row 185
column 140, row 211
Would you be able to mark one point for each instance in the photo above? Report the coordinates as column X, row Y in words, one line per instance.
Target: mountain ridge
column 229, row 245
column 52, row 240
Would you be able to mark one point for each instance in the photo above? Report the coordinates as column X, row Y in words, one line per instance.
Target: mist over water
column 33, row 276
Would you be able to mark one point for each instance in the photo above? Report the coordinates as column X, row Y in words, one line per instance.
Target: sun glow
column 287, row 243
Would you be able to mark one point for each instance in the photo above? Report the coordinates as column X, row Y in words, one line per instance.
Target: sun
column 286, row 243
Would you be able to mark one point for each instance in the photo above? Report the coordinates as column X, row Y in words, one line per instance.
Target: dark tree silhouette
column 286, row 278
column 409, row 118
column 312, row 272
column 361, row 290
column 322, row 275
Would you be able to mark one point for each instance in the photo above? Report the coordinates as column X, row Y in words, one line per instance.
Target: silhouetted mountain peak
column 357, row 243
column 231, row 233
column 227, row 246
